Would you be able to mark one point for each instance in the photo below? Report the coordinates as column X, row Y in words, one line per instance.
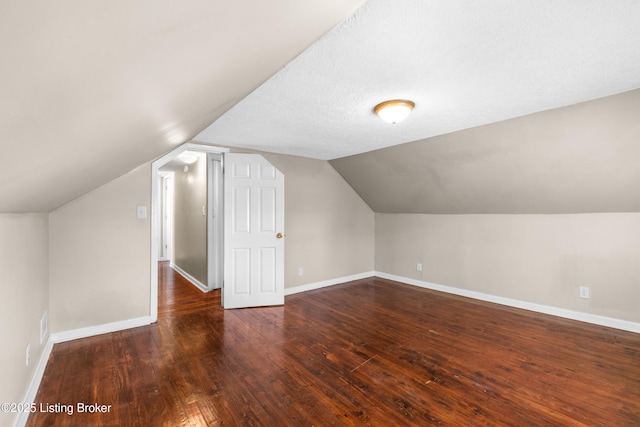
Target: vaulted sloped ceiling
column 521, row 106
column 575, row 159
column 90, row 90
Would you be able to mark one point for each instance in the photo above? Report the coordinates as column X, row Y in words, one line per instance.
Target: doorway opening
column 209, row 211
column 191, row 217
column 244, row 213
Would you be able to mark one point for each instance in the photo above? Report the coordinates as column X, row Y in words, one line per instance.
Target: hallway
column 176, row 296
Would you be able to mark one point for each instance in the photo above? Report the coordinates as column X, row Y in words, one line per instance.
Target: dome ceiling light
column 394, row 111
column 188, row 157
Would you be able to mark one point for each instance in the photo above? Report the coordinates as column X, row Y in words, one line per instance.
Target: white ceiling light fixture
column 394, row 111
column 188, row 157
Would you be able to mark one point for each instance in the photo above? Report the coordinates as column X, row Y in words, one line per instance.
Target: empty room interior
column 320, row 213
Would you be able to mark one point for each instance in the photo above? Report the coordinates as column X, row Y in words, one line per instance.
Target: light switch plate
column 141, row 212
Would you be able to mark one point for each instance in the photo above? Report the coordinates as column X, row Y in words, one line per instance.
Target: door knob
column 279, row 236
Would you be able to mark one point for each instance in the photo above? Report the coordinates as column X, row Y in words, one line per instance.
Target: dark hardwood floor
column 369, row 352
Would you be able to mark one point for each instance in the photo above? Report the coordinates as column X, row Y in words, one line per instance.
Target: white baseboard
column 146, row 320
column 91, row 331
column 325, row 283
column 595, row 319
column 195, row 282
column 59, row 337
column 34, row 384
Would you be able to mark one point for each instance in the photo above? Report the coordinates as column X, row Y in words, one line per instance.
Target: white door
column 253, row 232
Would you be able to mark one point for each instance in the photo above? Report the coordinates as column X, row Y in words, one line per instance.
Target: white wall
column 541, row 259
column 24, row 298
column 100, row 255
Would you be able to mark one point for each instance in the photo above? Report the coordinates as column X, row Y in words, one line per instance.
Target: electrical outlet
column 28, row 355
column 585, row 292
column 300, row 271
column 419, row 266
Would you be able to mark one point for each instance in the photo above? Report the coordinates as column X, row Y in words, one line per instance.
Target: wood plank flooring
column 370, row 352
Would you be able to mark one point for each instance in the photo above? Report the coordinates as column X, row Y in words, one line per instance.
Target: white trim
column 34, row 385
column 215, row 223
column 326, row 283
column 595, row 319
column 195, row 282
column 166, row 197
column 106, row 328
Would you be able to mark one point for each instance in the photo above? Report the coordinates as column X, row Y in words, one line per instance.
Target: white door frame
column 166, row 196
column 155, row 213
column 215, row 223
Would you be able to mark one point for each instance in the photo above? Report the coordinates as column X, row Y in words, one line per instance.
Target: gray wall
column 541, row 259
column 100, row 255
column 24, row 284
column 189, row 224
column 329, row 229
column 528, row 209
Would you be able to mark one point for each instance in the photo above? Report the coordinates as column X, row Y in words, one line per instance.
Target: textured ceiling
column 464, row 63
column 89, row 90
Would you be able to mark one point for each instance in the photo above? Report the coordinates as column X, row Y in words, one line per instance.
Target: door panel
column 268, row 273
column 254, row 227
column 241, row 209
